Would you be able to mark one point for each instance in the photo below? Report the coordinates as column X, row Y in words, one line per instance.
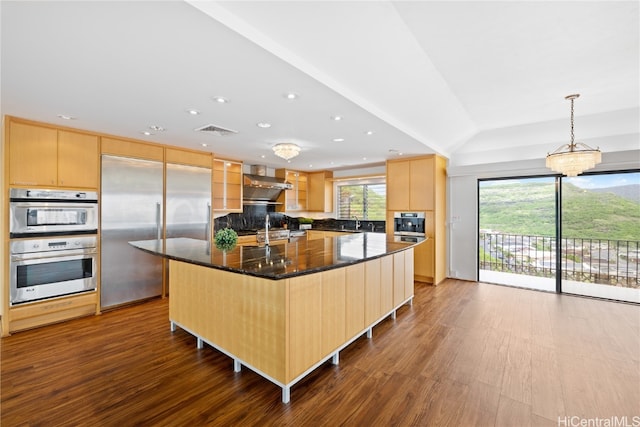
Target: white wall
column 462, row 200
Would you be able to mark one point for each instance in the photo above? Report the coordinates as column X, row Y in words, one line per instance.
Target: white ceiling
column 478, row 82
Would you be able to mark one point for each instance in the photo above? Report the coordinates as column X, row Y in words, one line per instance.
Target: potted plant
column 305, row 223
column 226, row 239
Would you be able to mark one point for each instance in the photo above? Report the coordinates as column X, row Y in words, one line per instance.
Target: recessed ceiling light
column 263, row 125
column 193, row 112
column 147, row 133
column 220, row 99
column 205, row 145
column 336, row 118
column 338, row 139
column 263, row 156
column 156, row 128
column 291, row 95
column 364, row 158
column 65, row 117
column 369, row 132
column 310, row 165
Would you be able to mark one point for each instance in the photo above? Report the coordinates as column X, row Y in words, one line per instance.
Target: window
column 366, row 201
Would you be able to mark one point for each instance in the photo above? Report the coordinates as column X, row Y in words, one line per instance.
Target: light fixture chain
column 572, row 146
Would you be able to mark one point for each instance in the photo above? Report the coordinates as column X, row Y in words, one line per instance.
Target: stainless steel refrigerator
column 188, row 204
column 131, row 209
column 188, row 201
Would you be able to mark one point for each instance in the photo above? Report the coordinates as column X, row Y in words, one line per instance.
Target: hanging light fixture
column 286, row 150
column 574, row 158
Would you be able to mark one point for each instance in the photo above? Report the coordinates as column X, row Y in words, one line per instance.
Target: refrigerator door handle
column 159, row 220
column 208, row 229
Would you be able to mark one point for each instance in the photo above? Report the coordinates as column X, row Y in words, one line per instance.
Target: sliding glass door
column 597, row 217
column 600, row 235
column 517, row 221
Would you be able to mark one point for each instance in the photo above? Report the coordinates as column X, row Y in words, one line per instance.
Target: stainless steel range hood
column 260, row 189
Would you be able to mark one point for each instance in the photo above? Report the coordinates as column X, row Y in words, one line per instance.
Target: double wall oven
column 53, row 243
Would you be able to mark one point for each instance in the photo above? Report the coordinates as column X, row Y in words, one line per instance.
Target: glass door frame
column 558, row 180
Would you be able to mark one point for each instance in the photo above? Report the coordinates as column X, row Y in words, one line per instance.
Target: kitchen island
column 283, row 310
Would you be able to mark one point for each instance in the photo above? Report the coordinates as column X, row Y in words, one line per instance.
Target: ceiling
column 478, row 82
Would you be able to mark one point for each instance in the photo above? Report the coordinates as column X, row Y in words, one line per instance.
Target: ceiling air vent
column 216, row 129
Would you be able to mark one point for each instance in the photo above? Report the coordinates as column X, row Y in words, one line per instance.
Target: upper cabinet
column 44, row 156
column 320, row 191
column 410, row 184
column 227, row 185
column 296, row 198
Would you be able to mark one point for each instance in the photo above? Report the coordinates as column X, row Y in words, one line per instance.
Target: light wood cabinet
column 321, row 234
column 320, row 191
column 227, row 185
column 419, row 185
column 250, row 240
column 295, row 199
column 410, row 184
column 333, row 307
column 398, row 183
column 354, row 291
column 315, row 234
column 188, row 157
column 44, row 156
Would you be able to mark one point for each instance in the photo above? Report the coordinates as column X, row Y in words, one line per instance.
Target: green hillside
column 528, row 209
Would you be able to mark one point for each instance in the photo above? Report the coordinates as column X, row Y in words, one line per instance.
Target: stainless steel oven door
column 51, row 273
column 42, row 218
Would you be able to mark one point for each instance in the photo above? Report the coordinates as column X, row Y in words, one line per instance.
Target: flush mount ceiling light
column 286, row 150
column 574, row 158
column 263, row 125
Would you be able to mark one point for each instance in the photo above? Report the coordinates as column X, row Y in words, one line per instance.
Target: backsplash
column 253, row 218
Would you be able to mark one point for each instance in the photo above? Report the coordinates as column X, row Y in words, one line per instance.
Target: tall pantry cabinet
column 418, row 184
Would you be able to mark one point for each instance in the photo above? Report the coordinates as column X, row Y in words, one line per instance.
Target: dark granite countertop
column 282, row 260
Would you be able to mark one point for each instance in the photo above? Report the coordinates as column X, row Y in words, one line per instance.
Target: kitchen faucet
column 372, row 225
column 357, row 222
column 266, row 230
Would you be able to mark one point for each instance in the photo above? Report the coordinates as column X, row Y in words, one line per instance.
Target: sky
column 582, row 181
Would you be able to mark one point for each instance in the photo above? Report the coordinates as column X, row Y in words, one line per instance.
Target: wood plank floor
column 464, row 354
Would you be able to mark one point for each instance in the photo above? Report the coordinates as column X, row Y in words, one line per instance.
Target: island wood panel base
column 284, row 329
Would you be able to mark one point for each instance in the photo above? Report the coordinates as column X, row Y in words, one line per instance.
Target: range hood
column 260, row 189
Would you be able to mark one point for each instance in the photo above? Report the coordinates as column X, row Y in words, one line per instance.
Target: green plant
column 226, row 239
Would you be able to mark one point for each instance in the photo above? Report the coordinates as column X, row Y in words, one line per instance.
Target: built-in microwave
column 52, row 212
column 409, row 224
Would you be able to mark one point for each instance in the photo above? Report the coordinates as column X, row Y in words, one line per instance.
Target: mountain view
column 528, row 208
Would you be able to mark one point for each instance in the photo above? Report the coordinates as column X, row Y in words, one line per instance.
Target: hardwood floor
column 464, row 354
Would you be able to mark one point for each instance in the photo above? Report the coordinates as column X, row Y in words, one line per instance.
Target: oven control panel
column 52, row 244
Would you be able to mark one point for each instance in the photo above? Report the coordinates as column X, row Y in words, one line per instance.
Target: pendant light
column 574, row 158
